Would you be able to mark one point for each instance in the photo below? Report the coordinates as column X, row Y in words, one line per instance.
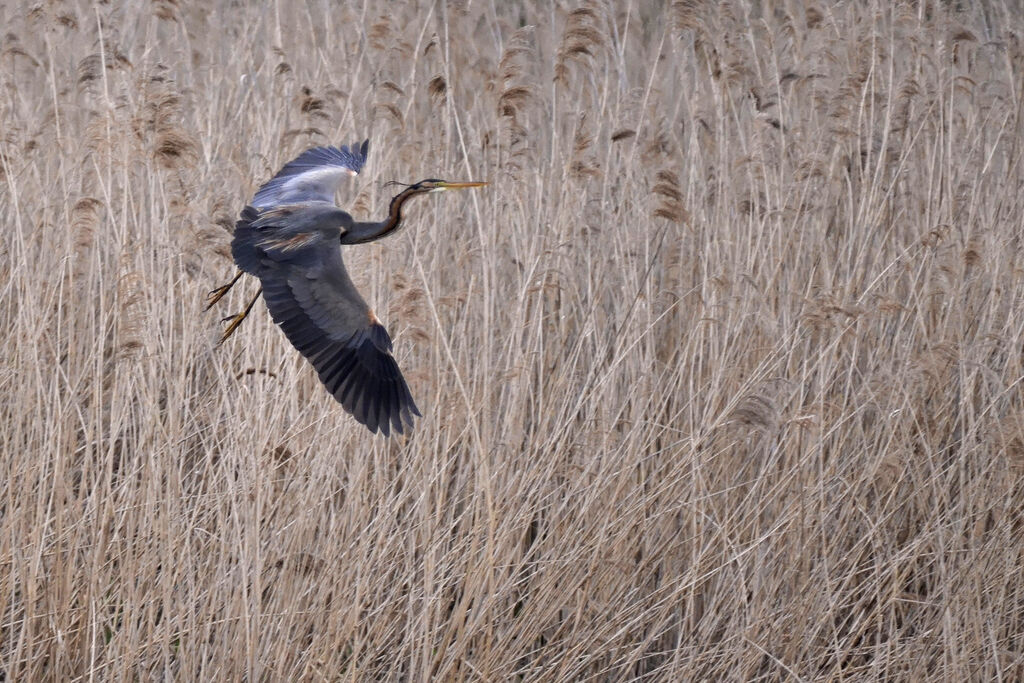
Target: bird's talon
column 236, row 320
column 216, row 295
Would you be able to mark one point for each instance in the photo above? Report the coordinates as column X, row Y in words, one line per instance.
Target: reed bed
column 721, row 376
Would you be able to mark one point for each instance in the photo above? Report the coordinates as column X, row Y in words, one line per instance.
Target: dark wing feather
column 314, row 175
column 312, row 299
column 360, row 372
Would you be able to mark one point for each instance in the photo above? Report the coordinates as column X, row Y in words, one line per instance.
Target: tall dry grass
column 721, row 377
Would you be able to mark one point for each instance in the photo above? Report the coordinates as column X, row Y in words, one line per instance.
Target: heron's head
column 438, row 185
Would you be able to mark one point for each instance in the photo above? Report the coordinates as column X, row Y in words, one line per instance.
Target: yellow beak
column 459, row 186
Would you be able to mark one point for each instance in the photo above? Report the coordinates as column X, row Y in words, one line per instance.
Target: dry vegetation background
column 721, row 377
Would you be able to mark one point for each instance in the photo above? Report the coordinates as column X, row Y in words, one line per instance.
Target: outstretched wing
column 311, row 297
column 314, row 175
column 353, row 360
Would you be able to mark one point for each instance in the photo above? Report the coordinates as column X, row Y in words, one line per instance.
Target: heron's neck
column 367, row 232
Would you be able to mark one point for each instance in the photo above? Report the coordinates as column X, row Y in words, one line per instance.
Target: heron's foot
column 235, row 321
column 216, row 295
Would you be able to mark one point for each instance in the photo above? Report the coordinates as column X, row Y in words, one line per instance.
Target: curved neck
column 361, row 232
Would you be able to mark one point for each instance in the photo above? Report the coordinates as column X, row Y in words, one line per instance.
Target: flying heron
column 290, row 237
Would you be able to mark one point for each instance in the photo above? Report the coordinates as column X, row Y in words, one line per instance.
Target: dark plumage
column 290, row 239
column 310, row 296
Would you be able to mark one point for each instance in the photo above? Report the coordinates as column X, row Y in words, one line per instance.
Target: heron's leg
column 237, row 319
column 217, row 294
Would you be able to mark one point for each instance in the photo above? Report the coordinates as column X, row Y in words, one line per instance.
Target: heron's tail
column 243, row 248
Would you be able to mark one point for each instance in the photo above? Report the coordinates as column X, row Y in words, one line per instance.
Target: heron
column 290, row 238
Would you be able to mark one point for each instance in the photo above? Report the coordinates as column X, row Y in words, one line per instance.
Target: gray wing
column 311, row 297
column 314, row 175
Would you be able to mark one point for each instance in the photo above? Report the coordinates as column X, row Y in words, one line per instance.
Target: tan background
column 721, row 377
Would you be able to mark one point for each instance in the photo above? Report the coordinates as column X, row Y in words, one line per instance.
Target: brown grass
column 721, row 378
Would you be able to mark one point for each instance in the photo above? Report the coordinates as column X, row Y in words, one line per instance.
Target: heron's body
column 290, row 239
